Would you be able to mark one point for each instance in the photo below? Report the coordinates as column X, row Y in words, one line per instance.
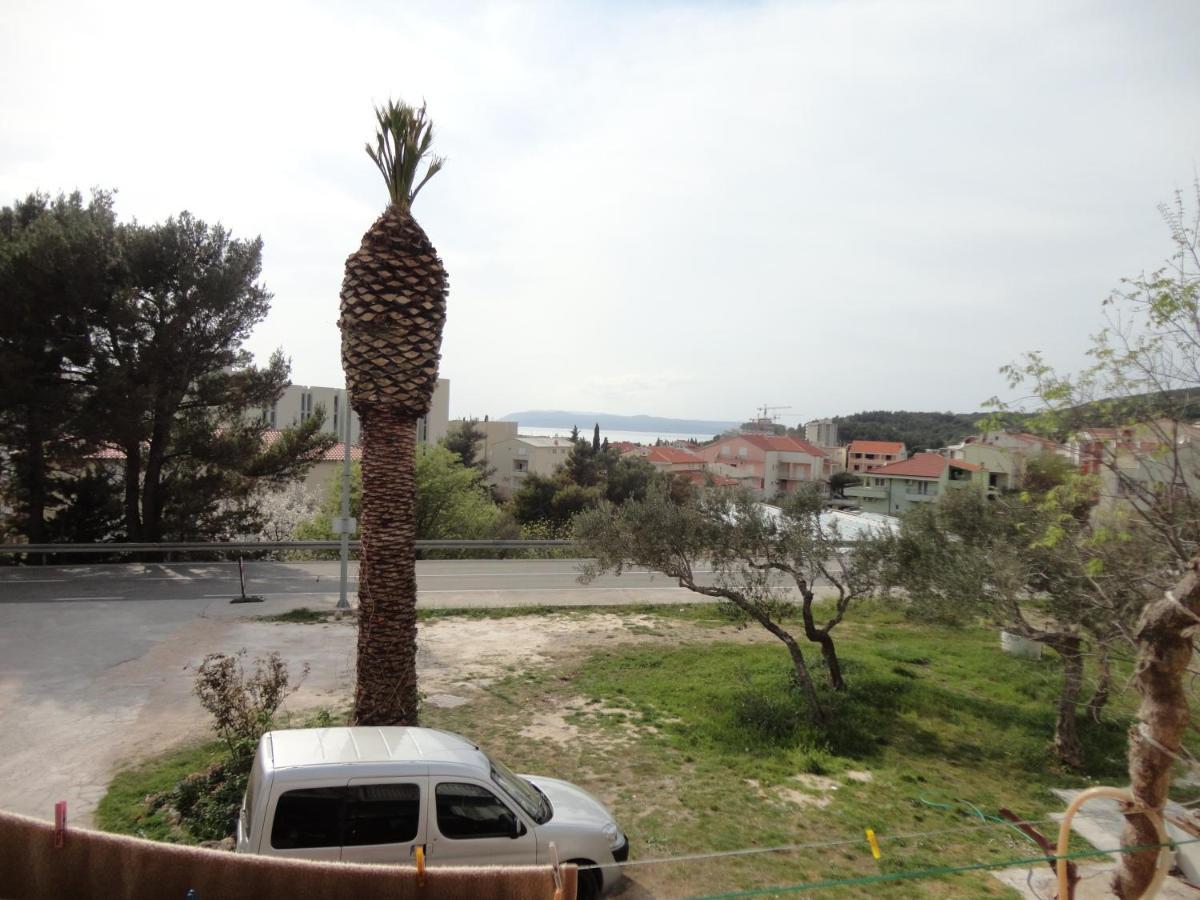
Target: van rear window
column 308, row 818
column 357, row 816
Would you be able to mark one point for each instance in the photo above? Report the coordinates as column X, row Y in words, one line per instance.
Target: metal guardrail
column 224, row 546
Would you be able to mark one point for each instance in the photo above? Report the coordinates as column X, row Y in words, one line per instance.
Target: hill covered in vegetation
column 917, row 430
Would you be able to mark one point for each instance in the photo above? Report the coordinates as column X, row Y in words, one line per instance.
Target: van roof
column 325, row 746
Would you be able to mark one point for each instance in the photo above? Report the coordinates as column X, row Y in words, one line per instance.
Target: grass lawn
column 124, row 809
column 695, row 740
column 701, row 746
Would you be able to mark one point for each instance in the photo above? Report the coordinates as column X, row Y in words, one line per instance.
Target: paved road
column 97, row 661
column 440, row 583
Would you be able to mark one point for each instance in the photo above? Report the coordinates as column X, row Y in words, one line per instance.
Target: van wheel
column 589, row 881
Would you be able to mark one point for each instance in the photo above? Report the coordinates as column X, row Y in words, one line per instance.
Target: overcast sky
column 684, row 209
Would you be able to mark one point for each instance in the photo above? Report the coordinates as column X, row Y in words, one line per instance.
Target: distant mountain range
column 559, row 418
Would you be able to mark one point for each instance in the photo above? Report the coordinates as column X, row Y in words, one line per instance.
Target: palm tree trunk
column 386, row 691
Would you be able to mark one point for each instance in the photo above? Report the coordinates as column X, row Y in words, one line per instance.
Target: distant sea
column 636, row 437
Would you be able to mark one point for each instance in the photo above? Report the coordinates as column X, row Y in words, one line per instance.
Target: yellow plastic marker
column 421, row 867
column 874, row 843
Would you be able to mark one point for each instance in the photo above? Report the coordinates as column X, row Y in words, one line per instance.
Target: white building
column 514, row 459
column 822, row 432
column 300, row 401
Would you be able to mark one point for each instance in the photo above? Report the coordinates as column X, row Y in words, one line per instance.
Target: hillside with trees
column 917, row 430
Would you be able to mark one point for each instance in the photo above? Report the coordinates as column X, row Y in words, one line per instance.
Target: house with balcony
column 1136, row 465
column 767, row 464
column 894, row 489
column 1003, row 454
column 864, row 455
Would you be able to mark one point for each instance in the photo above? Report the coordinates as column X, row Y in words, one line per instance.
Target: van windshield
column 528, row 797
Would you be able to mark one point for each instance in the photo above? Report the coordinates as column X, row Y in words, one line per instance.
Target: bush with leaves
column 243, row 705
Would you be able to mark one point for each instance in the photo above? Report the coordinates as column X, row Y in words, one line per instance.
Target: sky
column 680, row 209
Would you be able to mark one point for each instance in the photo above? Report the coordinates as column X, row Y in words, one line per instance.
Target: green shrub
column 243, row 704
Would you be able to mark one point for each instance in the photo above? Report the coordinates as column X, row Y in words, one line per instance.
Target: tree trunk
column 1066, row 733
column 35, row 477
column 1103, row 687
column 803, row 676
column 152, row 480
column 133, row 477
column 821, row 636
column 1164, row 652
column 386, row 692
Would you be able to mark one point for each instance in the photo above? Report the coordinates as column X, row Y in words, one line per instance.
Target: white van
column 373, row 795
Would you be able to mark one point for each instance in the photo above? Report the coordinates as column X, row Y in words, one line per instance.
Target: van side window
column 471, row 811
column 382, row 814
column 311, row 817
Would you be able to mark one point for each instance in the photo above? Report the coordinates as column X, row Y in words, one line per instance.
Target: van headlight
column 613, row 833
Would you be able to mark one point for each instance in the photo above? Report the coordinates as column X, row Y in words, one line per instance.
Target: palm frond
column 403, row 139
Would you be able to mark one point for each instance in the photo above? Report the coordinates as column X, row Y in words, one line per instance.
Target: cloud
column 830, row 205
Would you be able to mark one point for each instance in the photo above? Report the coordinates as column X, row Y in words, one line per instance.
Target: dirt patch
column 550, row 727
column 800, row 798
column 860, row 775
column 817, row 782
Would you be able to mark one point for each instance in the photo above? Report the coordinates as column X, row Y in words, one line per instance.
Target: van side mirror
column 518, row 828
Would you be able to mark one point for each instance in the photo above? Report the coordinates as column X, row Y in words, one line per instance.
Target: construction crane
column 763, row 420
column 766, row 410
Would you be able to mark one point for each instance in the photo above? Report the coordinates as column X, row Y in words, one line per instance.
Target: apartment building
column 767, row 464
column 821, row 432
column 515, row 458
column 864, row 455
column 894, row 489
column 493, row 434
column 300, row 401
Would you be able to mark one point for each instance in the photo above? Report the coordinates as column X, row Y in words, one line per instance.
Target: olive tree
column 757, row 559
column 1143, row 383
column 1038, row 565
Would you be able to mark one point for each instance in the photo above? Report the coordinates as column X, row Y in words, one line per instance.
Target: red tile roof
column 924, row 465
column 270, row 436
column 673, row 456
column 782, row 443
column 893, row 448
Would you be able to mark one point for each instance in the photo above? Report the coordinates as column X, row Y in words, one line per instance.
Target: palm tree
column 393, row 310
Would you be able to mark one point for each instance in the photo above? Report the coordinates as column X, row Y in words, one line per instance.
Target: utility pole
column 345, row 526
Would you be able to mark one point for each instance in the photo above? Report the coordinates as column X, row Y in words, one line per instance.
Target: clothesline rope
column 882, row 837
column 934, row 872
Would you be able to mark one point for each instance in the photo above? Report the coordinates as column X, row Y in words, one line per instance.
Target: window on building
column 743, row 452
column 466, row 811
column 335, row 414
